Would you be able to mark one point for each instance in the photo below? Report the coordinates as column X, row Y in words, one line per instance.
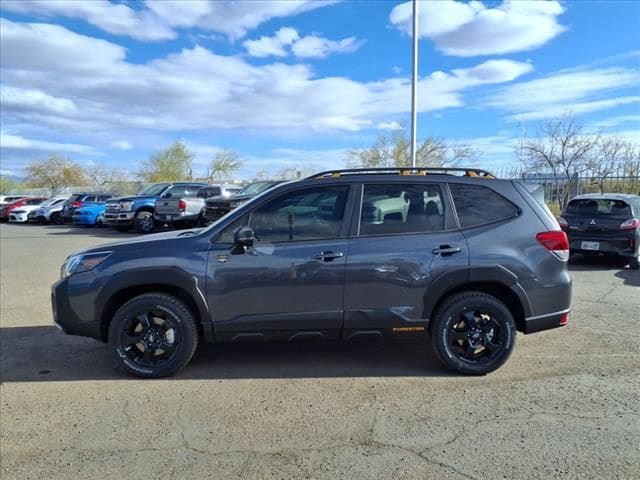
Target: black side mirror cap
column 244, row 236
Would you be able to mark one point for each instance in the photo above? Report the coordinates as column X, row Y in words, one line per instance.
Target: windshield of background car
column 591, row 207
column 254, row 188
column 153, row 189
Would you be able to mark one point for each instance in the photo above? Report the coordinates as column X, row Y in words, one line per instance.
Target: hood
column 143, row 240
column 221, row 199
column 131, row 198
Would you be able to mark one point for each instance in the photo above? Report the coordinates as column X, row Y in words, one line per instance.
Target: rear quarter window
column 478, row 205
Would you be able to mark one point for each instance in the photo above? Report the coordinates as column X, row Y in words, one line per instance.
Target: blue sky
column 299, row 83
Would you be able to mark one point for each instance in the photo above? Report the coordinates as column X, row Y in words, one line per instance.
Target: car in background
column 78, row 200
column 187, row 209
column 217, row 207
column 137, row 211
column 20, row 214
column 607, row 223
column 9, row 207
column 90, row 215
column 46, row 212
column 7, row 199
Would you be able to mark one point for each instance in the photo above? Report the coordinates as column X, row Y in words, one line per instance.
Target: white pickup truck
column 186, row 210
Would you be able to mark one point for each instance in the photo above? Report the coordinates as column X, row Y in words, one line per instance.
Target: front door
column 290, row 283
column 405, row 248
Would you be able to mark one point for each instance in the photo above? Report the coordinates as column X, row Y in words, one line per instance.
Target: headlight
column 82, row 263
column 126, row 205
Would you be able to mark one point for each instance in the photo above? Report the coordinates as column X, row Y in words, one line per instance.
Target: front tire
column 56, row 218
column 144, row 222
column 153, row 335
column 473, row 333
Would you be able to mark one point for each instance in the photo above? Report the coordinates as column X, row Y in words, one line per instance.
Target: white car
column 21, row 214
column 48, row 211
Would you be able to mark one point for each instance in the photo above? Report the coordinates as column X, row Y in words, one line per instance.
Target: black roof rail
column 464, row 171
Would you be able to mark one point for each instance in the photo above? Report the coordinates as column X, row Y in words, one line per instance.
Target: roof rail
column 460, row 171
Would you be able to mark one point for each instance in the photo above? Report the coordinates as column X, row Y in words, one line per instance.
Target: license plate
column 590, row 246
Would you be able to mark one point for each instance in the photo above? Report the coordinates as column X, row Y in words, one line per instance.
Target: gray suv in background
column 453, row 257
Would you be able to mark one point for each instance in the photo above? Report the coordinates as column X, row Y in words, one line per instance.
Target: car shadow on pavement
column 581, row 263
column 43, row 353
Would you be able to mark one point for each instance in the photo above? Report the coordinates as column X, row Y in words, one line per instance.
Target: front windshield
column 155, row 189
column 254, row 188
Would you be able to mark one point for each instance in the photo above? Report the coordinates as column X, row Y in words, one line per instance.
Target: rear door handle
column 446, row 250
column 328, row 256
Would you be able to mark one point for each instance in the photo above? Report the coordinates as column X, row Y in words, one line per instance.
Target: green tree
column 7, row 185
column 223, row 165
column 168, row 165
column 394, row 150
column 54, row 172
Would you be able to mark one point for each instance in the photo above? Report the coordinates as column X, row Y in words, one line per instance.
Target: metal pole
column 414, row 85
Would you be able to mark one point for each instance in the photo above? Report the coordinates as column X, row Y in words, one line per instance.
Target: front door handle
column 446, row 250
column 328, row 256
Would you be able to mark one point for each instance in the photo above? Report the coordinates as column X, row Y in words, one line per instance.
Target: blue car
column 90, row 214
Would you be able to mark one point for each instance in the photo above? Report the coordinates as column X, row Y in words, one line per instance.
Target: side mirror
column 167, row 195
column 244, row 236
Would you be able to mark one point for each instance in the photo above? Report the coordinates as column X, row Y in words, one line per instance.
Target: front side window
column 401, row 208
column 310, row 214
column 478, row 205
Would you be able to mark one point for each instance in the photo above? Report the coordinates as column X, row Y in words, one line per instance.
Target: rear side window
column 599, row 208
column 209, row 192
column 478, row 205
column 394, row 208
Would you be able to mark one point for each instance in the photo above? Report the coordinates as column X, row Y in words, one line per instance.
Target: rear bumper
column 177, row 217
column 624, row 244
column 547, row 321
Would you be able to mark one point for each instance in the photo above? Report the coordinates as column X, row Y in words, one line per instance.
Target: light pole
column 414, row 85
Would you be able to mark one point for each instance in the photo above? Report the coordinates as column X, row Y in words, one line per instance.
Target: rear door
column 405, row 246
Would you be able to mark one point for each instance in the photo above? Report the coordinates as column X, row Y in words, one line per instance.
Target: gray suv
column 453, row 257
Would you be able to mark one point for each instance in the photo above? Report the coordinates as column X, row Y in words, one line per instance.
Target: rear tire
column 634, row 263
column 153, row 335
column 144, row 222
column 473, row 333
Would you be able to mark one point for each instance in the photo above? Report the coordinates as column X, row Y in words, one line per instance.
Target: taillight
column 76, row 204
column 563, row 223
column 564, row 319
column 182, row 205
column 630, row 224
column 556, row 242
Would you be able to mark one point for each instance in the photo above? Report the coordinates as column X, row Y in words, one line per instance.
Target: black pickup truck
column 219, row 206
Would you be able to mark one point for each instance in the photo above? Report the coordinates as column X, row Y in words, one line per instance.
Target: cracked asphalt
column 566, row 405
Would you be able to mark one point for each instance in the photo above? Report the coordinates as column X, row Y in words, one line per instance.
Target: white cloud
column 469, row 29
column 17, row 142
column 158, row 20
column 287, row 39
column 272, row 46
column 579, row 90
column 393, row 125
column 118, row 19
column 122, row 144
column 313, row 46
column 34, row 100
column 198, row 89
column 618, row 120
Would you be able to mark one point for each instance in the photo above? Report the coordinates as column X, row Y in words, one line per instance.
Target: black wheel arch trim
column 472, row 278
column 154, row 279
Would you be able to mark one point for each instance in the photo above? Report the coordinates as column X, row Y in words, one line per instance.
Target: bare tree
column 103, row 176
column 224, row 164
column 54, row 172
column 563, row 146
column 606, row 158
column 394, row 150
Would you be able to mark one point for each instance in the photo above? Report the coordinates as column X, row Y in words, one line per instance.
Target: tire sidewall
column 141, row 219
column 450, row 315
column 185, row 324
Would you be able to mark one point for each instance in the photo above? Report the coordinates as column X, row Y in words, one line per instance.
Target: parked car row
column 167, row 204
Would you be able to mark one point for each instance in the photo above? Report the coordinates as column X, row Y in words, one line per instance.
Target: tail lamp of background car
column 556, row 242
column 76, row 204
column 630, row 224
column 182, row 205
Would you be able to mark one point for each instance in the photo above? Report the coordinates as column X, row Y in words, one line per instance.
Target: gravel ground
column 566, row 405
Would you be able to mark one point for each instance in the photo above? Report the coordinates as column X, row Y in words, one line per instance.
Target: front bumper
column 622, row 244
column 119, row 218
column 65, row 312
column 19, row 217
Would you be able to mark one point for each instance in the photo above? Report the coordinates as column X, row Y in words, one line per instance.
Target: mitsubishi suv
column 452, row 257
